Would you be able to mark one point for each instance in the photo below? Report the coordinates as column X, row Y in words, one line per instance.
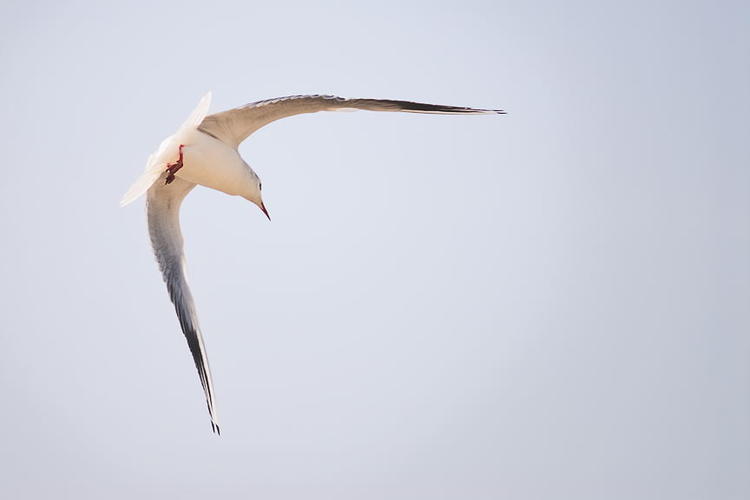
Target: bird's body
column 214, row 164
column 204, row 152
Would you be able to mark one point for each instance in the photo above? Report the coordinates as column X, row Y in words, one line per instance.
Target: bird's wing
column 235, row 125
column 163, row 209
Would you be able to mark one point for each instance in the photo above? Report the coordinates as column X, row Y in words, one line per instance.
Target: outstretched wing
column 163, row 209
column 235, row 125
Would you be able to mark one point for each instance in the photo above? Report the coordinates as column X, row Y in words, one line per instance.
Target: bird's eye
column 260, row 186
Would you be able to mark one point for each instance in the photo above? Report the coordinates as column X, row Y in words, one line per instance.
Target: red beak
column 263, row 208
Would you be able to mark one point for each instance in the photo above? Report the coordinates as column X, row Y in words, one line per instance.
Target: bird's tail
column 157, row 162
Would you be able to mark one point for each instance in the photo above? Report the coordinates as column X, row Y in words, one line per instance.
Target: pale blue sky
column 548, row 304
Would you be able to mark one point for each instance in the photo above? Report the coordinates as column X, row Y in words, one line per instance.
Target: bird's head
column 255, row 194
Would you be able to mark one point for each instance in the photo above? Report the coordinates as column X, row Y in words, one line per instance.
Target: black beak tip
column 264, row 210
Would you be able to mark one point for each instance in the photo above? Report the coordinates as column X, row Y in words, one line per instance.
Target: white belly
column 211, row 163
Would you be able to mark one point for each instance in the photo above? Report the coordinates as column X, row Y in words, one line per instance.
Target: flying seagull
column 204, row 151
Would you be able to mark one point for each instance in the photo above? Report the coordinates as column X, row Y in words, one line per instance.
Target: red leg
column 174, row 167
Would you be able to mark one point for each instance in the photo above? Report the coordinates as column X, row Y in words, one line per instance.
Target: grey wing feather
column 235, row 125
column 163, row 211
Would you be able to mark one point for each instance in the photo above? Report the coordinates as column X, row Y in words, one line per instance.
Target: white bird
column 204, row 151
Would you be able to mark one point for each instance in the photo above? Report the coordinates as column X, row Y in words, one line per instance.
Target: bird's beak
column 265, row 211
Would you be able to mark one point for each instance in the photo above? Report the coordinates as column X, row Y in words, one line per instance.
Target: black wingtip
column 215, row 429
column 422, row 107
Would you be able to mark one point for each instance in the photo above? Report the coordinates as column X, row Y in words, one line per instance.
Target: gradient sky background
column 548, row 304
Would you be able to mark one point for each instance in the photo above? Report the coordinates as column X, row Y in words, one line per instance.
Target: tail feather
column 144, row 182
